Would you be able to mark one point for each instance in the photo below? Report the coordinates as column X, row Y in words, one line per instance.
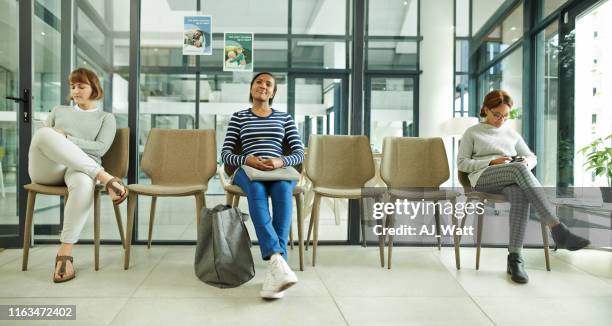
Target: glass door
column 319, row 107
column 15, row 108
column 390, row 106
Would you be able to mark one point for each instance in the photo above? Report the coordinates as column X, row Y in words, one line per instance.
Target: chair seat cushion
column 47, row 190
column 351, row 193
column 166, row 190
column 235, row 190
column 426, row 194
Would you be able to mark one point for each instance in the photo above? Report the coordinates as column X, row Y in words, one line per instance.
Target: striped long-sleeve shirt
column 262, row 137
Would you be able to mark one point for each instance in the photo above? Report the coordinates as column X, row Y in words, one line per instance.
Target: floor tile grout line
column 131, row 295
column 439, row 259
column 331, row 296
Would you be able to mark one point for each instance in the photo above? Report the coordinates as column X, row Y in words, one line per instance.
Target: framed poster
column 197, row 35
column 238, row 52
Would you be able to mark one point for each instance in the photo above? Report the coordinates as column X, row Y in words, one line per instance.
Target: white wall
column 436, row 81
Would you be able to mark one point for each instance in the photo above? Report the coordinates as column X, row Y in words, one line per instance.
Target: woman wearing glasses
column 498, row 161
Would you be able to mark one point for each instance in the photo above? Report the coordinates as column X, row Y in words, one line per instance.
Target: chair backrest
column 339, row 162
column 116, row 160
column 414, row 162
column 229, row 170
column 179, row 156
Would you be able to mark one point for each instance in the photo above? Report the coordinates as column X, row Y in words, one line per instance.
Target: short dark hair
column 86, row 76
column 494, row 99
column 253, row 81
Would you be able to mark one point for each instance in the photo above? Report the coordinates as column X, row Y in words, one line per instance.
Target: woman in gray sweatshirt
column 498, row 161
column 68, row 150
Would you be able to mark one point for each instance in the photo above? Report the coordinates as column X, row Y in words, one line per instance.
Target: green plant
column 515, row 113
column 599, row 157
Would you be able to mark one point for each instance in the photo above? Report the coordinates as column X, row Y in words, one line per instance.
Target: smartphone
column 517, row 158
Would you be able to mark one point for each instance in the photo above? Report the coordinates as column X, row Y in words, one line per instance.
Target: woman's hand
column 275, row 162
column 258, row 163
column 500, row 160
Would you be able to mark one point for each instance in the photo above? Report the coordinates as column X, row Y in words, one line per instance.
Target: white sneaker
column 279, row 277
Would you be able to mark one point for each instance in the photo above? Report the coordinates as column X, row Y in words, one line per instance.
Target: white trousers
column 55, row 160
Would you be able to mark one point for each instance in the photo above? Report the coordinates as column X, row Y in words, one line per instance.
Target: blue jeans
column 272, row 233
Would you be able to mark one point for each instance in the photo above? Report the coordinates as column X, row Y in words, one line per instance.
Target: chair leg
column 200, row 204
column 362, row 224
column 462, row 224
column 438, row 231
column 545, row 242
column 455, row 236
column 151, row 220
column 381, row 245
column 315, row 217
column 132, row 197
column 390, row 224
column 299, row 203
column 236, row 201
column 291, row 235
column 310, row 227
column 27, row 231
column 97, row 229
column 478, row 239
column 119, row 225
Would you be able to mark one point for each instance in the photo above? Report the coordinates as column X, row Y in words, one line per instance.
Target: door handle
column 27, row 110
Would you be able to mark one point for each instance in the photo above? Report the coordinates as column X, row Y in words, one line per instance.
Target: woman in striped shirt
column 261, row 131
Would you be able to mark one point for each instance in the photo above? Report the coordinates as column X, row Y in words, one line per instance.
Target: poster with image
column 197, row 35
column 238, row 52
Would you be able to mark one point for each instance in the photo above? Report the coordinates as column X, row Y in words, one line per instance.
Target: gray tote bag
column 223, row 252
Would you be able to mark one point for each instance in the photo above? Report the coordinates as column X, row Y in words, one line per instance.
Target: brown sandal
column 62, row 270
column 123, row 195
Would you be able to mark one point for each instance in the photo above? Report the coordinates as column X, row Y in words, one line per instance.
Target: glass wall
column 547, row 86
column 593, row 80
column 183, row 91
column 392, row 62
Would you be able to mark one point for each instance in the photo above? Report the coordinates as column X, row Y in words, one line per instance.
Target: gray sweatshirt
column 93, row 131
column 483, row 142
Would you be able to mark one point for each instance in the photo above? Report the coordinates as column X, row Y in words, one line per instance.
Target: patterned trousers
column 520, row 186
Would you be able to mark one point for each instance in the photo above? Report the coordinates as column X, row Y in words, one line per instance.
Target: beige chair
column 234, row 192
column 413, row 169
column 179, row 163
column 115, row 162
column 477, row 196
column 338, row 167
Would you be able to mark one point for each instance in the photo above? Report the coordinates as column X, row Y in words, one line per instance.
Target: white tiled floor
column 346, row 288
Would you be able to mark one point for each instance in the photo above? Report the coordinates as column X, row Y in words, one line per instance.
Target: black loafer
column 516, row 268
column 564, row 239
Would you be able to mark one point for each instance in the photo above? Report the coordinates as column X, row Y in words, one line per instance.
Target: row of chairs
column 181, row 163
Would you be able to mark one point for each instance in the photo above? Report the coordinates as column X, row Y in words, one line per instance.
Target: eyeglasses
column 499, row 116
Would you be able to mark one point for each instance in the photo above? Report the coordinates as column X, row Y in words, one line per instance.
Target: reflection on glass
column 392, row 18
column 9, row 135
column 318, row 53
column 392, row 55
column 506, row 75
column 551, row 5
column 547, row 86
column 327, row 17
column 593, row 77
column 391, row 109
column 318, row 106
column 504, row 35
column 461, row 95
